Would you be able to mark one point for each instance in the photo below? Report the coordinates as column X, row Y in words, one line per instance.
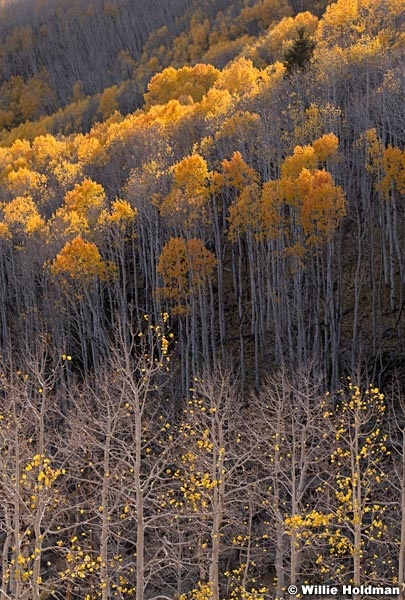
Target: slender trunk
column 401, row 556
column 140, row 529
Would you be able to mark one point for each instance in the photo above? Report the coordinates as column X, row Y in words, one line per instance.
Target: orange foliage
column 79, row 261
column 304, row 157
column 236, row 173
column 322, row 205
column 325, row 146
column 270, row 210
column 258, row 211
column 243, row 211
column 185, row 267
column 388, row 164
column 304, row 194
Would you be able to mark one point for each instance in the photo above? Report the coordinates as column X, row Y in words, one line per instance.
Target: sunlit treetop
column 280, row 37
column 79, row 261
column 241, row 78
column 120, row 215
column 21, row 215
column 190, row 191
column 236, row 173
column 25, row 181
column 346, row 21
column 172, row 84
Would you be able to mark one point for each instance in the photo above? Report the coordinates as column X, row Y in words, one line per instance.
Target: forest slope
column 158, row 264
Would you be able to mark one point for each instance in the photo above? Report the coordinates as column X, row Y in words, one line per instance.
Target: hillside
column 194, row 199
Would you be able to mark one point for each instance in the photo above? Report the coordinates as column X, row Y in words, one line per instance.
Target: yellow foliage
column 338, row 16
column 108, row 102
column 270, row 210
column 243, row 212
column 191, row 175
column 394, row 169
column 89, row 148
column 121, row 214
column 365, row 49
column 241, row 78
column 46, row 150
column 166, row 115
column 240, row 125
column 66, row 173
column 4, row 231
column 203, row 591
column 21, row 150
column 215, row 102
column 388, row 164
column 86, row 199
column 315, row 118
column 22, row 214
column 345, row 21
column 69, row 223
column 281, row 36
column 312, row 520
column 187, row 201
column 172, row 84
column 24, row 181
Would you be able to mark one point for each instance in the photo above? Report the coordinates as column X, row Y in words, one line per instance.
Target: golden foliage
column 185, row 267
column 121, row 215
column 79, row 261
column 241, row 78
column 86, row 199
column 304, row 157
column 21, row 214
column 240, row 125
column 322, row 204
column 172, row 84
column 281, row 36
column 214, row 103
column 108, row 102
column 25, row 181
column 236, row 173
column 346, row 21
column 325, row 146
column 187, row 202
column 243, row 212
column 394, row 169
